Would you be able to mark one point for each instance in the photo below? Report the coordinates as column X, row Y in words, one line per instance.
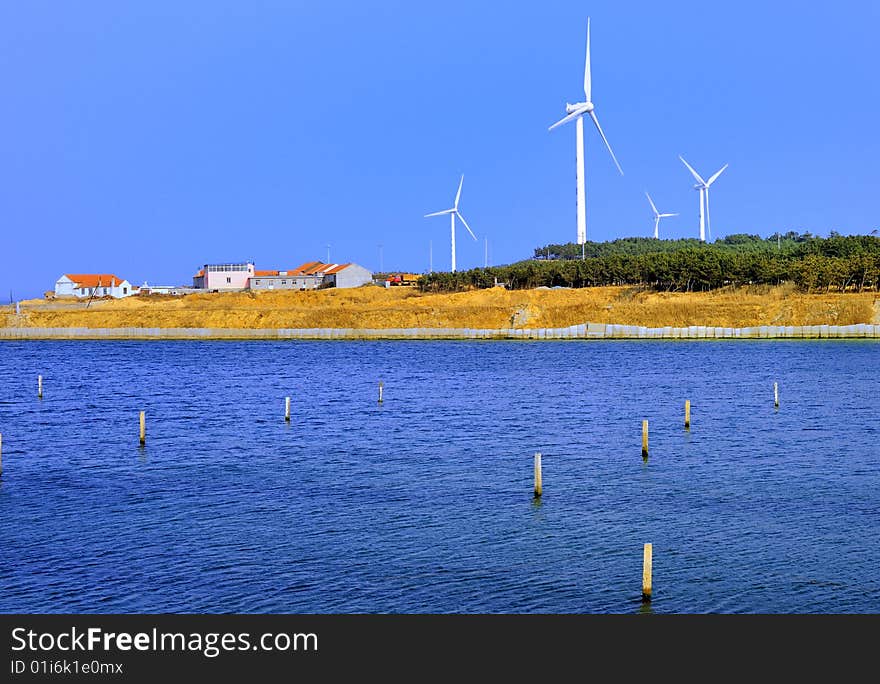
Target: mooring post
column 539, row 489
column 646, row 573
column 645, row 439
column 776, row 394
column 687, row 414
column 39, row 387
column 143, row 429
column 381, row 387
column 287, row 409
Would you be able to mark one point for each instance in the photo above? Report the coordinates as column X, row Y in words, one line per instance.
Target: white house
column 224, row 277
column 92, row 285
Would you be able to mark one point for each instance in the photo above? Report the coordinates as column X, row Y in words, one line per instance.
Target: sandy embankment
column 374, row 307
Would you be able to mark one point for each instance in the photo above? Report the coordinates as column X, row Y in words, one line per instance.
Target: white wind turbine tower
column 575, row 112
column 657, row 216
column 452, row 214
column 703, row 187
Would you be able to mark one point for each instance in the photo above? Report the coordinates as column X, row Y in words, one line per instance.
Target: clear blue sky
column 147, row 138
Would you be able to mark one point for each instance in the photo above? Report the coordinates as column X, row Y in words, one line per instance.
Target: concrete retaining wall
column 583, row 331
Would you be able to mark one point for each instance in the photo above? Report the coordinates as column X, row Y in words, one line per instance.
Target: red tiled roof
column 337, row 268
column 308, row 268
column 94, row 279
column 263, row 274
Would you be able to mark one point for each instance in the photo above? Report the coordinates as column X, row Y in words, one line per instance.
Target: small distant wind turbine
column 575, row 112
column 657, row 216
column 703, row 187
column 452, row 214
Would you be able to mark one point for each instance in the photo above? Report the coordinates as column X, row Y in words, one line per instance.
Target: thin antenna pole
column 328, row 253
column 381, row 262
column 430, row 256
column 486, row 252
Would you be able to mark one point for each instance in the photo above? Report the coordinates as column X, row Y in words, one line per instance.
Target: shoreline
column 584, row 331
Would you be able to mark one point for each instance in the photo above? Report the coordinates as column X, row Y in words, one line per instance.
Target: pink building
column 220, row 277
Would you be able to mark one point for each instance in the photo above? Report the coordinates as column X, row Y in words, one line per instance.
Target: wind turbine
column 452, row 214
column 703, row 187
column 657, row 216
column 575, row 112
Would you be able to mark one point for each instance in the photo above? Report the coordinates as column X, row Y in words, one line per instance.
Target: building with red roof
column 313, row 275
column 93, row 285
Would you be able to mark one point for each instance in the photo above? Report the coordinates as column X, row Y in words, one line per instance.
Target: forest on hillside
column 814, row 264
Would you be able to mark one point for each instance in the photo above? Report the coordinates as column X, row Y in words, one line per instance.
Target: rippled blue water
column 424, row 504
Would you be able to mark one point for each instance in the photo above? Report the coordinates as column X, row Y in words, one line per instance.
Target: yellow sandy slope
column 374, row 307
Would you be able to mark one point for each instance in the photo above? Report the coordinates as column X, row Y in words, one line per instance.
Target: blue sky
column 147, row 138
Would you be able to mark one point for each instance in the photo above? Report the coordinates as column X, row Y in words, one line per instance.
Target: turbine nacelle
column 580, row 108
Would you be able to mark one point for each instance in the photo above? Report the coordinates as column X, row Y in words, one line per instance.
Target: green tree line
column 814, row 264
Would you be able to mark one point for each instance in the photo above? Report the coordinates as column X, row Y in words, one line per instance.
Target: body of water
column 424, row 503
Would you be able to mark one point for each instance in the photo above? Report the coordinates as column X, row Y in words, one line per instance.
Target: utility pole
column 430, row 256
column 486, row 252
column 328, row 253
column 92, row 295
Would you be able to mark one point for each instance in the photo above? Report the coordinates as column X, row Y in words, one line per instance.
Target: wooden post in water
column 687, row 414
column 645, row 439
column 39, row 387
column 646, row 573
column 539, row 489
column 776, row 394
column 287, row 409
column 143, row 429
column 381, row 387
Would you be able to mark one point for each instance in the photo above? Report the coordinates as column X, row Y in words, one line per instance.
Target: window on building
column 125, row 290
column 284, row 282
column 228, row 279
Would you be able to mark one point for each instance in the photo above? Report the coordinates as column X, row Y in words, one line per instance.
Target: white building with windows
column 311, row 276
column 221, row 277
column 93, row 285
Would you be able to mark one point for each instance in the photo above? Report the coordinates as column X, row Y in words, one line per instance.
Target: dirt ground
column 376, row 307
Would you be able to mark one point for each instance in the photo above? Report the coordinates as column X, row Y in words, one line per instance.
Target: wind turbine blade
column 691, row 169
column 667, row 215
column 588, row 80
column 466, row 225
column 599, row 128
column 458, row 194
column 717, row 173
column 651, row 202
column 440, row 213
column 565, row 119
